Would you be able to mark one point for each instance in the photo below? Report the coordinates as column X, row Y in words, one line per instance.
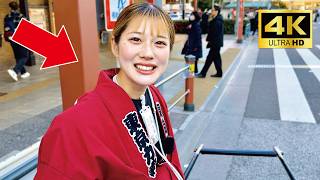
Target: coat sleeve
column 66, row 152
column 192, row 37
column 45, row 171
column 210, row 27
column 8, row 28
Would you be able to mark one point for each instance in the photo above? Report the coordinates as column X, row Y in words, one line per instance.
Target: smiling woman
column 120, row 130
column 143, row 52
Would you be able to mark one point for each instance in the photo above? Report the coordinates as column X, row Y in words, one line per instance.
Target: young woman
column 193, row 44
column 121, row 130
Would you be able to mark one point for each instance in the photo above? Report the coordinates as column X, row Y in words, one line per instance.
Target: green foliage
column 181, row 26
column 229, row 26
column 204, row 4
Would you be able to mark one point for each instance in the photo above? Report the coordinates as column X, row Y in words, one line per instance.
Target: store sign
column 172, row 1
column 285, row 29
column 112, row 10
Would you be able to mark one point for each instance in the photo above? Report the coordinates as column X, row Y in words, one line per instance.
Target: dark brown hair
column 144, row 10
column 13, row 5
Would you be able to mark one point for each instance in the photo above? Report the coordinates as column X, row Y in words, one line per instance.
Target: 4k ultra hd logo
column 285, row 29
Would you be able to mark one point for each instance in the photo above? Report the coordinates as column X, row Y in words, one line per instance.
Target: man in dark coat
column 21, row 54
column 215, row 42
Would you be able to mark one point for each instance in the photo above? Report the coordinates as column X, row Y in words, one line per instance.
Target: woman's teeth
column 144, row 68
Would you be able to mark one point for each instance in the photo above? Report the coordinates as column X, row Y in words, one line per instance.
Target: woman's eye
column 135, row 39
column 161, row 43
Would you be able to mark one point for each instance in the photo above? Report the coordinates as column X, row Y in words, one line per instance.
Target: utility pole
column 81, row 24
column 239, row 21
column 183, row 8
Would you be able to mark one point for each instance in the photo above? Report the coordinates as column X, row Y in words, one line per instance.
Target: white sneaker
column 25, row 75
column 13, row 74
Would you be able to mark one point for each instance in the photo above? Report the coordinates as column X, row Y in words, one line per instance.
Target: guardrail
column 17, row 166
column 21, row 164
column 188, row 94
column 276, row 152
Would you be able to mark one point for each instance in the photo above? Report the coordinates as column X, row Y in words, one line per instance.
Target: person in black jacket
column 215, row 42
column 204, row 22
column 193, row 45
column 21, row 54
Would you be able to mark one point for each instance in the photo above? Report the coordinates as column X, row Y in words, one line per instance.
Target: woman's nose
column 147, row 51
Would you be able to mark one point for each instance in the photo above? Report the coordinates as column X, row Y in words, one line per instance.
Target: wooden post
column 79, row 18
column 188, row 102
column 239, row 21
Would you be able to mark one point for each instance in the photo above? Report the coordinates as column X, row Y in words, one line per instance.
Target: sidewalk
column 29, row 105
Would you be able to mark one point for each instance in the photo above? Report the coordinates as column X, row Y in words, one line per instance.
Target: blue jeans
column 21, row 55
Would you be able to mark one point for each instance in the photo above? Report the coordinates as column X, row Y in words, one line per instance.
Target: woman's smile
column 145, row 69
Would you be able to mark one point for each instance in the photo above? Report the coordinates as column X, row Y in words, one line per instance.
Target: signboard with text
column 285, row 29
column 112, row 9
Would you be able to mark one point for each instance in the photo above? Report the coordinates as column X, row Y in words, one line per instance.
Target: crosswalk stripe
column 272, row 66
column 292, row 101
column 311, row 60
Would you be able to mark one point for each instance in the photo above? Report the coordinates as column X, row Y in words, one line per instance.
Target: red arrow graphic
column 57, row 50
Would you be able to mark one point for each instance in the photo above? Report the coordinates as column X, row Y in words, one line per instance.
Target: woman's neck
column 132, row 89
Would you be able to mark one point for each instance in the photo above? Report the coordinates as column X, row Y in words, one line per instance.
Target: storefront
column 38, row 11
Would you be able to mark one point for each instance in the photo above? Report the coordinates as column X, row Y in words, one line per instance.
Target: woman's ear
column 114, row 47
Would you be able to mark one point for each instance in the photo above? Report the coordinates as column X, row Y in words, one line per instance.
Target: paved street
column 271, row 99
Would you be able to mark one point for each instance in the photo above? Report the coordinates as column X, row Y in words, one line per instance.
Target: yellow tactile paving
column 28, row 89
column 203, row 86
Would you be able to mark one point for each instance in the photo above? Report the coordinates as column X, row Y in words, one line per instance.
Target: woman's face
column 143, row 51
column 214, row 12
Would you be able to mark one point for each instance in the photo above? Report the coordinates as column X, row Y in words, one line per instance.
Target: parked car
column 175, row 17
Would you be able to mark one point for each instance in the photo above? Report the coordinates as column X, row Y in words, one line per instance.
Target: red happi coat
column 93, row 139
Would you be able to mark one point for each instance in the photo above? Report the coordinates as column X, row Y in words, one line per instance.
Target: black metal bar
column 239, row 152
column 192, row 162
column 190, row 166
column 275, row 153
column 281, row 158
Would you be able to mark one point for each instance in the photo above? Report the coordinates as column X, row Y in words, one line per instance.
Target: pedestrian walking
column 316, row 15
column 193, row 45
column 251, row 17
column 121, row 129
column 21, row 54
column 215, row 42
column 255, row 23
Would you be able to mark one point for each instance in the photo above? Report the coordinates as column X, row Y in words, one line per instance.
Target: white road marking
column 292, row 101
column 311, row 60
column 271, row 66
